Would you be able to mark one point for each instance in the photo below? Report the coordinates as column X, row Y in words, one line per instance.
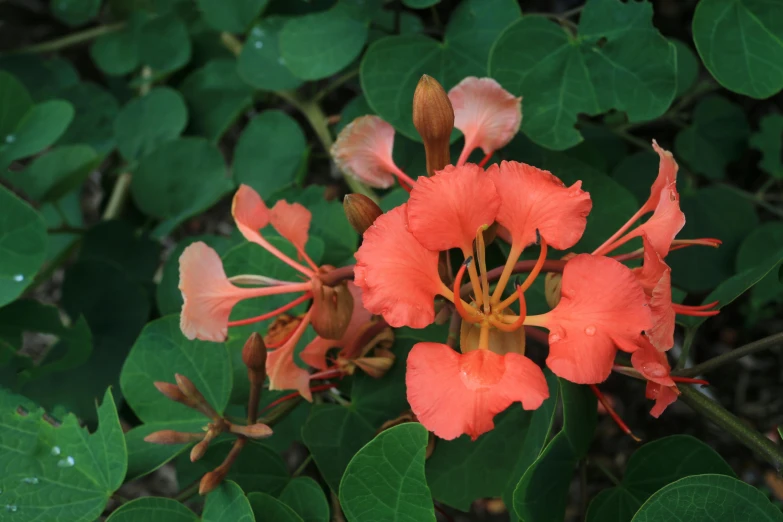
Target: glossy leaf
column 741, row 44
column 637, row 173
column 55, row 173
column 227, row 503
column 261, row 64
column 687, row 67
column 716, row 137
column 119, row 243
column 708, row 497
column 230, row 15
column 159, row 352
column 153, row 509
column 75, row 13
column 385, row 479
column 392, row 66
column 146, row 122
column 763, row 242
column 22, row 245
column 63, row 472
column 420, row 4
column 769, row 141
column 117, row 53
column 37, row 129
column 164, row 43
column 16, row 101
column 269, row 153
column 95, row 109
column 306, row 497
column 619, row 61
column 652, row 467
column 267, row 507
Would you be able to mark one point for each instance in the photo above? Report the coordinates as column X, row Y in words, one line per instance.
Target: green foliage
column 227, row 504
column 261, row 63
column 385, row 479
column 769, row 141
column 145, row 123
column 267, row 507
column 154, row 510
column 307, row 499
column 233, row 16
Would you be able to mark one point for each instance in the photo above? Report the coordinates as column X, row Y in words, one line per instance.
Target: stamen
column 482, row 260
column 462, row 310
column 307, row 259
column 483, row 343
column 506, row 327
column 613, row 413
column 607, row 245
column 474, row 279
column 704, row 306
column 704, row 241
column 273, row 313
column 531, row 277
column 281, row 256
column 253, row 279
column 403, row 178
column 693, row 311
column 327, row 374
column 486, row 159
column 508, row 269
column 319, row 388
column 690, row 380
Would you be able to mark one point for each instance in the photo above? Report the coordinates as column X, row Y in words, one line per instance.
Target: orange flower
column 654, row 366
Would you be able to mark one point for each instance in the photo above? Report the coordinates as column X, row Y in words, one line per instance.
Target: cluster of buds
column 185, row 392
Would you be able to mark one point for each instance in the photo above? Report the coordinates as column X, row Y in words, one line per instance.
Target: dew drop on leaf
column 11, row 508
column 67, row 462
column 56, row 450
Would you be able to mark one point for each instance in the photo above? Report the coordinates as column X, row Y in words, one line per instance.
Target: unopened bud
column 361, row 211
column 189, row 389
column 211, row 480
column 173, row 392
column 254, row 431
column 433, row 117
column 172, row 437
column 378, row 365
column 254, row 353
column 332, row 309
column 199, row 450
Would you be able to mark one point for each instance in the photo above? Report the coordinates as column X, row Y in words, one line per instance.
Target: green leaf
column 542, row 493
column 269, row 153
column 258, row 469
column 146, row 122
column 392, row 66
column 261, row 63
column 22, row 245
column 394, row 198
column 216, row 96
column 385, row 479
column 93, row 124
column 161, row 351
column 687, row 67
column 741, row 44
column 55, row 173
column 227, row 503
column 735, row 286
column 267, row 507
column 167, row 293
column 152, row 509
column 144, row 457
column 16, row 102
column 321, row 44
column 652, row 467
column 230, row 15
column 118, row 242
column 637, row 173
column 41, row 126
column 63, row 472
column 717, row 212
column 117, row 53
column 164, row 44
column 618, row 61
column 708, row 497
column 769, row 141
column 420, row 4
column 757, row 249
column 42, row 77
column 75, row 13
column 306, row 497
column 717, row 136
column 180, row 179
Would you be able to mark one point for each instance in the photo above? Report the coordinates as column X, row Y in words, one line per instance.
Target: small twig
column 690, row 334
column 755, row 198
column 773, row 341
column 118, row 195
column 302, row 466
column 612, row 478
column 336, row 83
column 69, row 40
column 188, row 492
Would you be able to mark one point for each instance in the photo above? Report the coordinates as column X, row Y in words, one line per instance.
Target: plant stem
column 730, row 423
column 755, row 198
column 614, row 480
column 766, row 343
column 690, row 333
column 117, row 198
column 337, row 82
column 69, row 40
column 302, row 466
column 188, row 492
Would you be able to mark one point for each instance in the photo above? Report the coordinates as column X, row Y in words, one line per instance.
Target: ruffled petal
column 283, row 372
column 292, row 221
column 602, row 305
column 488, row 115
column 663, row 397
column 250, row 213
column 534, row 199
column 397, row 275
column 655, row 278
column 445, row 211
column 314, row 354
column 364, row 150
column 207, row 293
column 454, row 394
column 652, row 364
column 667, row 220
column 667, row 175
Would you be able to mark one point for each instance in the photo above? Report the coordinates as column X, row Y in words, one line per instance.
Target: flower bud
column 199, row 450
column 172, row 392
column 433, row 117
column 378, row 365
column 211, row 480
column 189, row 389
column 361, row 211
column 254, row 357
column 254, row 431
column 172, row 437
column 332, row 309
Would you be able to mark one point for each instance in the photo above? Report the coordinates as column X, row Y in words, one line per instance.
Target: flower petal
column 663, row 397
column 445, row 211
column 292, row 221
column 667, row 175
column 454, row 394
column 250, row 213
column 652, row 364
column 283, row 372
column 533, row 199
column 364, row 150
column 398, row 276
column 602, row 305
column 488, row 115
column 667, row 220
column 207, row 293
column 655, row 278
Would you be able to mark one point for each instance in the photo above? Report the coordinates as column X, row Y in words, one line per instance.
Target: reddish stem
column 273, row 313
column 613, row 413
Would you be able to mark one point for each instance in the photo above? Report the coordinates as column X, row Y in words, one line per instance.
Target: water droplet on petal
column 590, row 330
column 11, row 508
column 654, row 370
column 553, row 338
column 67, row 462
column 56, row 450
column 18, row 278
column 10, row 138
column 30, row 480
column 259, row 45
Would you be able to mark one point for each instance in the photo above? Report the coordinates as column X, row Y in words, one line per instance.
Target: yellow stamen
column 529, row 279
column 482, row 261
column 513, row 257
column 483, row 343
column 474, row 278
